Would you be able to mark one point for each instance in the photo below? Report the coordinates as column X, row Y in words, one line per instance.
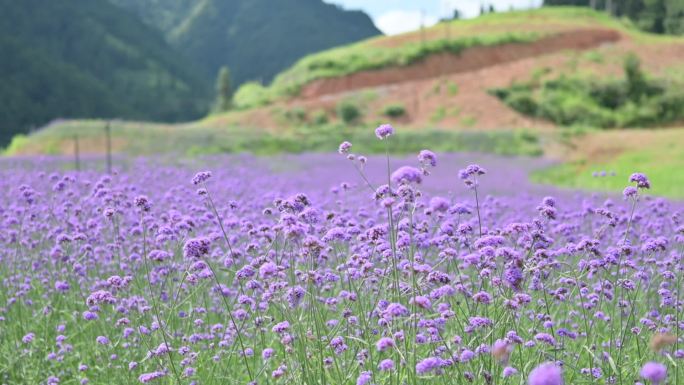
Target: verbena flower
column 641, row 180
column 407, row 174
column 344, row 148
column 196, row 248
column 654, row 372
column 201, row 177
column 546, row 374
column 383, row 131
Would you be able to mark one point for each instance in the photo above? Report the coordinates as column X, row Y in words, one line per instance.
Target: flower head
column 630, row 192
column 428, row 365
column 196, row 247
column 427, row 158
column 469, row 175
column 386, row 365
column 142, row 202
column 364, row 378
column 100, row 296
column 344, row 148
column 654, row 372
column 407, row 174
column 201, row 177
column 509, row 371
column 384, row 343
column 641, row 180
column 547, row 373
column 27, row 339
column 384, row 131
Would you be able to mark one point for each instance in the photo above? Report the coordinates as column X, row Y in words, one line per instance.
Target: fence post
column 108, row 135
column 77, row 156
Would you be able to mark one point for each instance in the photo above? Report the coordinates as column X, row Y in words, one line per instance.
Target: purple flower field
column 334, row 269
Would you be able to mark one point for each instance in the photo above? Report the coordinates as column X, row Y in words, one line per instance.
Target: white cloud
column 399, row 21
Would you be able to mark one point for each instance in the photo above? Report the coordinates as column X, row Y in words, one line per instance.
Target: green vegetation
column 452, row 89
column 252, row 94
column 224, row 90
column 87, row 58
column 438, row 115
column 657, row 16
column 663, row 161
column 394, row 110
column 634, row 101
column 348, row 111
column 144, row 139
column 256, row 39
column 296, row 115
column 319, row 117
column 442, row 112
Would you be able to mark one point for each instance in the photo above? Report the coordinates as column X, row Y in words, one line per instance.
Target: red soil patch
column 469, row 60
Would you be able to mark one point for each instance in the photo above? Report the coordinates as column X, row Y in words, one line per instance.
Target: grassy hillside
column 256, row 39
column 87, row 58
column 406, row 49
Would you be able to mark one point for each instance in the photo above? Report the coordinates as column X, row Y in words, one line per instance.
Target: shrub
column 252, row 94
column 522, row 102
column 296, row 115
column 636, row 80
column 319, row 117
column 452, row 89
column 348, row 112
column 394, row 111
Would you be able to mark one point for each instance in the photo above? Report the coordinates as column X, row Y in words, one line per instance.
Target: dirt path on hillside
column 469, row 60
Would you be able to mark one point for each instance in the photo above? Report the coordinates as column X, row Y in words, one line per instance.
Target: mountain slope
column 255, row 38
column 87, row 58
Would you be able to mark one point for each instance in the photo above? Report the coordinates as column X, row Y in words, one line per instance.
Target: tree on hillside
column 657, row 16
column 579, row 3
column 637, row 85
column 674, row 22
column 224, row 93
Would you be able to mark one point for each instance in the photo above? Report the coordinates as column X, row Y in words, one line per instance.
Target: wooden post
column 77, row 157
column 422, row 27
column 108, row 135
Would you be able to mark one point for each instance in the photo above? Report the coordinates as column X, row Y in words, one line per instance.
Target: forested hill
column 256, row 39
column 89, row 58
column 657, row 16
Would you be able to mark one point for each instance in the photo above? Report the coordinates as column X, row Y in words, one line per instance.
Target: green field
column 661, row 157
column 195, row 139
